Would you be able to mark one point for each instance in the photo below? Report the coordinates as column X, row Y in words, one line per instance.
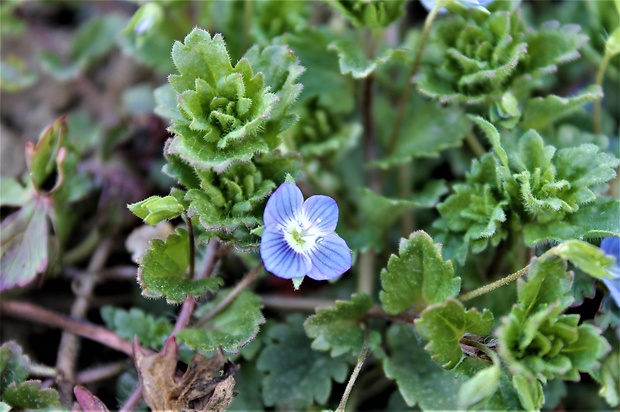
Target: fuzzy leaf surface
column 352, row 59
column 339, row 328
column 163, row 267
column 418, row 277
column 443, row 325
column 151, row 332
column 230, row 329
column 296, row 376
column 156, row 209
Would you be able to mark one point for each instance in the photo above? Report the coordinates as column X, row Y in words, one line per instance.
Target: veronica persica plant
column 299, row 238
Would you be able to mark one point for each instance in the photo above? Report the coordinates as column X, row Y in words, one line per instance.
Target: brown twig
column 101, row 372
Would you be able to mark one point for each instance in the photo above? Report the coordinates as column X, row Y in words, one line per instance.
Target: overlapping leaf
column 151, row 332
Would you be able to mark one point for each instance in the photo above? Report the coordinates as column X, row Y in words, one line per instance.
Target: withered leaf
column 206, row 385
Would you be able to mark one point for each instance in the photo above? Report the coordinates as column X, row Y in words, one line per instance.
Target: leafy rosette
column 369, row 13
column 228, row 113
column 229, row 205
column 476, row 59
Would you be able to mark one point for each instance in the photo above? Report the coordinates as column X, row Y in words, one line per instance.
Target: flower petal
column 330, row 259
column 279, row 258
column 283, row 205
column 321, row 212
column 611, row 246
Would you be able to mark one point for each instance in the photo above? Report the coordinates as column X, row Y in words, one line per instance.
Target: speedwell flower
column 429, row 4
column 611, row 246
column 299, row 238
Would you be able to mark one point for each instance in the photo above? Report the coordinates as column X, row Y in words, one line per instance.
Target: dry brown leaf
column 206, row 385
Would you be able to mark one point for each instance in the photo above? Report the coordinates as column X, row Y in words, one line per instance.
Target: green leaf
column 419, row 379
column 478, row 389
column 43, row 158
column 15, row 75
column 24, row 244
column 13, row 365
column 595, row 220
column 152, row 332
column 445, row 324
column 230, row 329
column 339, row 328
column 428, row 129
column 156, row 209
column 418, row 277
column 296, row 376
column 13, row 193
column 530, row 392
column 586, row 257
column 352, row 59
column 369, row 13
column 609, row 378
column 492, row 134
column 542, row 112
column 95, row 39
column 162, row 271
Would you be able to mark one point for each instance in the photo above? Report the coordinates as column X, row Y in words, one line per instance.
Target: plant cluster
column 442, row 177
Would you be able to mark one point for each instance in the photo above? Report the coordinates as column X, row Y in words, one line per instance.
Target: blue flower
column 299, row 238
column 611, row 246
column 429, row 4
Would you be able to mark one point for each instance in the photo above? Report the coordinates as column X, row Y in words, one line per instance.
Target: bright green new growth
column 537, row 340
column 369, row 13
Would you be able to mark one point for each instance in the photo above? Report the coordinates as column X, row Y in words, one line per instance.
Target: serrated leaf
column 609, row 378
column 595, row 220
column 231, row 329
column 162, row 271
column 369, row 13
column 419, row 379
column 156, row 209
column 30, row 395
column 542, row 112
column 492, row 134
column 447, row 125
column 24, row 244
column 13, row 365
column 445, row 324
column 296, row 376
column 151, row 332
column 418, row 277
column 339, row 328
column 353, row 60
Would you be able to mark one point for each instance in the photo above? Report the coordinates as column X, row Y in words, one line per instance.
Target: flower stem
column 484, row 349
column 366, row 280
column 597, row 103
column 475, row 145
column 356, row 371
column 492, row 286
column 404, row 100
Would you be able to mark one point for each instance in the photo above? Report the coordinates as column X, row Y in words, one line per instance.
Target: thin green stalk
column 597, row 103
column 475, row 145
column 82, row 250
column 366, row 280
column 404, row 101
column 192, row 247
column 492, row 286
column 355, row 373
column 484, row 349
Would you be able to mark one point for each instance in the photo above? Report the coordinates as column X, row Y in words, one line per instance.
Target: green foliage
column 538, row 341
column 420, row 380
column 477, row 58
column 296, row 376
column 609, row 378
column 340, row 328
column 156, row 209
column 15, row 390
column 353, row 61
column 163, row 268
column 443, row 325
column 15, row 75
column 151, row 332
column 476, row 391
column 369, row 13
column 418, row 277
column 231, row 329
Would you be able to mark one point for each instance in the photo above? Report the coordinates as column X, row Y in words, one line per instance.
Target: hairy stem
column 475, row 145
column 231, row 296
column 356, row 371
column 404, row 100
column 102, row 372
column 597, row 103
column 366, row 279
column 492, row 286
column 368, row 123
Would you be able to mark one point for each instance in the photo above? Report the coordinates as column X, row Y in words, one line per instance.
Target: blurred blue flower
column 429, row 4
column 299, row 238
column 611, row 246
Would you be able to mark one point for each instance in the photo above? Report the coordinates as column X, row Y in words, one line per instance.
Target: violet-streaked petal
column 330, row 258
column 279, row 258
column 321, row 212
column 611, row 246
column 613, row 285
column 283, row 205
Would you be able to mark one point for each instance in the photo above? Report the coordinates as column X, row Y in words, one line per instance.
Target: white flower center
column 301, row 235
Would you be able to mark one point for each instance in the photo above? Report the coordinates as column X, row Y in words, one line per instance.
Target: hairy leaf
column 445, row 324
column 339, row 328
column 369, row 13
column 151, row 332
column 353, row 59
column 296, row 376
column 156, row 209
column 231, row 329
column 418, row 277
column 163, row 267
